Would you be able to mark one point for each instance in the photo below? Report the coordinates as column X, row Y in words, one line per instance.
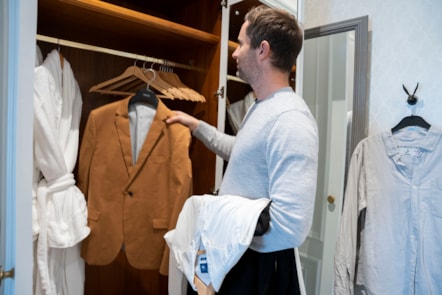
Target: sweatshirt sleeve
column 216, row 141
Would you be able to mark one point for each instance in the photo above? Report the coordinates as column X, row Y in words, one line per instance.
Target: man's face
column 245, row 57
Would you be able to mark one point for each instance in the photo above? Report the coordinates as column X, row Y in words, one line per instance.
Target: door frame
column 17, row 60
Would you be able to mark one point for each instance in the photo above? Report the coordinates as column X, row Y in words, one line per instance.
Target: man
column 274, row 154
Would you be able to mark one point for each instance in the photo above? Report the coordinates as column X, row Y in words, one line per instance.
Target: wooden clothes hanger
column 130, row 82
column 176, row 86
column 158, row 83
column 182, row 90
column 135, row 78
column 411, row 120
column 119, row 85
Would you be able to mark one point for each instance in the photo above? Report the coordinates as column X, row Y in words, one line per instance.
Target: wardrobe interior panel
column 175, row 31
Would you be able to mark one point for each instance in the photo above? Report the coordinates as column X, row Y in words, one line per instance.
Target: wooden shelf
column 232, row 46
column 103, row 24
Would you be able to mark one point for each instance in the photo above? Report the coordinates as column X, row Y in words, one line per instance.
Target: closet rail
column 133, row 56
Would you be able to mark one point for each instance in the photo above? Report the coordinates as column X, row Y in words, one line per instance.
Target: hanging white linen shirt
column 60, row 206
column 395, row 182
column 224, row 226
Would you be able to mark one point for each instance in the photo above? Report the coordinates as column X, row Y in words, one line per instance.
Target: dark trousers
column 256, row 273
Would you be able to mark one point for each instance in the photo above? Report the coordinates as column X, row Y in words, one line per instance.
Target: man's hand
column 185, row 119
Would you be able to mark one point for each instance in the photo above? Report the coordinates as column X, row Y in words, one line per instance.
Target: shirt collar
column 427, row 142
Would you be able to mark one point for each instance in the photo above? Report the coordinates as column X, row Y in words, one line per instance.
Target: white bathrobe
column 60, row 212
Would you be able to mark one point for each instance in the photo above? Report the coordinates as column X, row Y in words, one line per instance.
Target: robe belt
column 65, row 209
column 53, row 229
column 60, row 183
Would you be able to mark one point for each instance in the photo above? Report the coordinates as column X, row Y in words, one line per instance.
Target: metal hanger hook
column 153, row 77
column 144, row 64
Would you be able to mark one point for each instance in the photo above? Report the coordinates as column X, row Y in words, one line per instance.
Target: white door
column 289, row 5
column 327, row 89
column 17, row 51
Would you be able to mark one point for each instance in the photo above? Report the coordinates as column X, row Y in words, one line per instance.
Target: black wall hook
column 412, row 98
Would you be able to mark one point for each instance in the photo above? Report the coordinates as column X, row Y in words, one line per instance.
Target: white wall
column 406, row 48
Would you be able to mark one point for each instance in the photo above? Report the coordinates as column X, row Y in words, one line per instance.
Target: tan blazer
column 128, row 204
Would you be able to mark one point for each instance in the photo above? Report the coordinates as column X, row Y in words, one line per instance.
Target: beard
column 246, row 76
column 243, row 75
column 247, row 68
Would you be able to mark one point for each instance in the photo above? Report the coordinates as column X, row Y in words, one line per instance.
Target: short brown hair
column 280, row 29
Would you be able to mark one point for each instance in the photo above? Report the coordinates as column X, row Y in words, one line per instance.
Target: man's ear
column 264, row 50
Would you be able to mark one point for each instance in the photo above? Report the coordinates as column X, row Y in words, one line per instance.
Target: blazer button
column 130, row 193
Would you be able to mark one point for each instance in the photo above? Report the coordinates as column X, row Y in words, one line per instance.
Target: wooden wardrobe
column 184, row 32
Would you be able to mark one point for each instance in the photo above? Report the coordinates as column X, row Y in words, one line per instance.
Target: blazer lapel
column 154, row 134
column 123, row 130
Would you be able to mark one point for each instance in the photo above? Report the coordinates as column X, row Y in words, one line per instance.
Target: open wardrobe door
column 17, row 61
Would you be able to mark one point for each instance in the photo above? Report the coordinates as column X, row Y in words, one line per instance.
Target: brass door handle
column 6, row 274
column 331, row 199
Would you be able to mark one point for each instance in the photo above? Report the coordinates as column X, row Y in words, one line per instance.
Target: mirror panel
column 360, row 28
column 334, row 87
